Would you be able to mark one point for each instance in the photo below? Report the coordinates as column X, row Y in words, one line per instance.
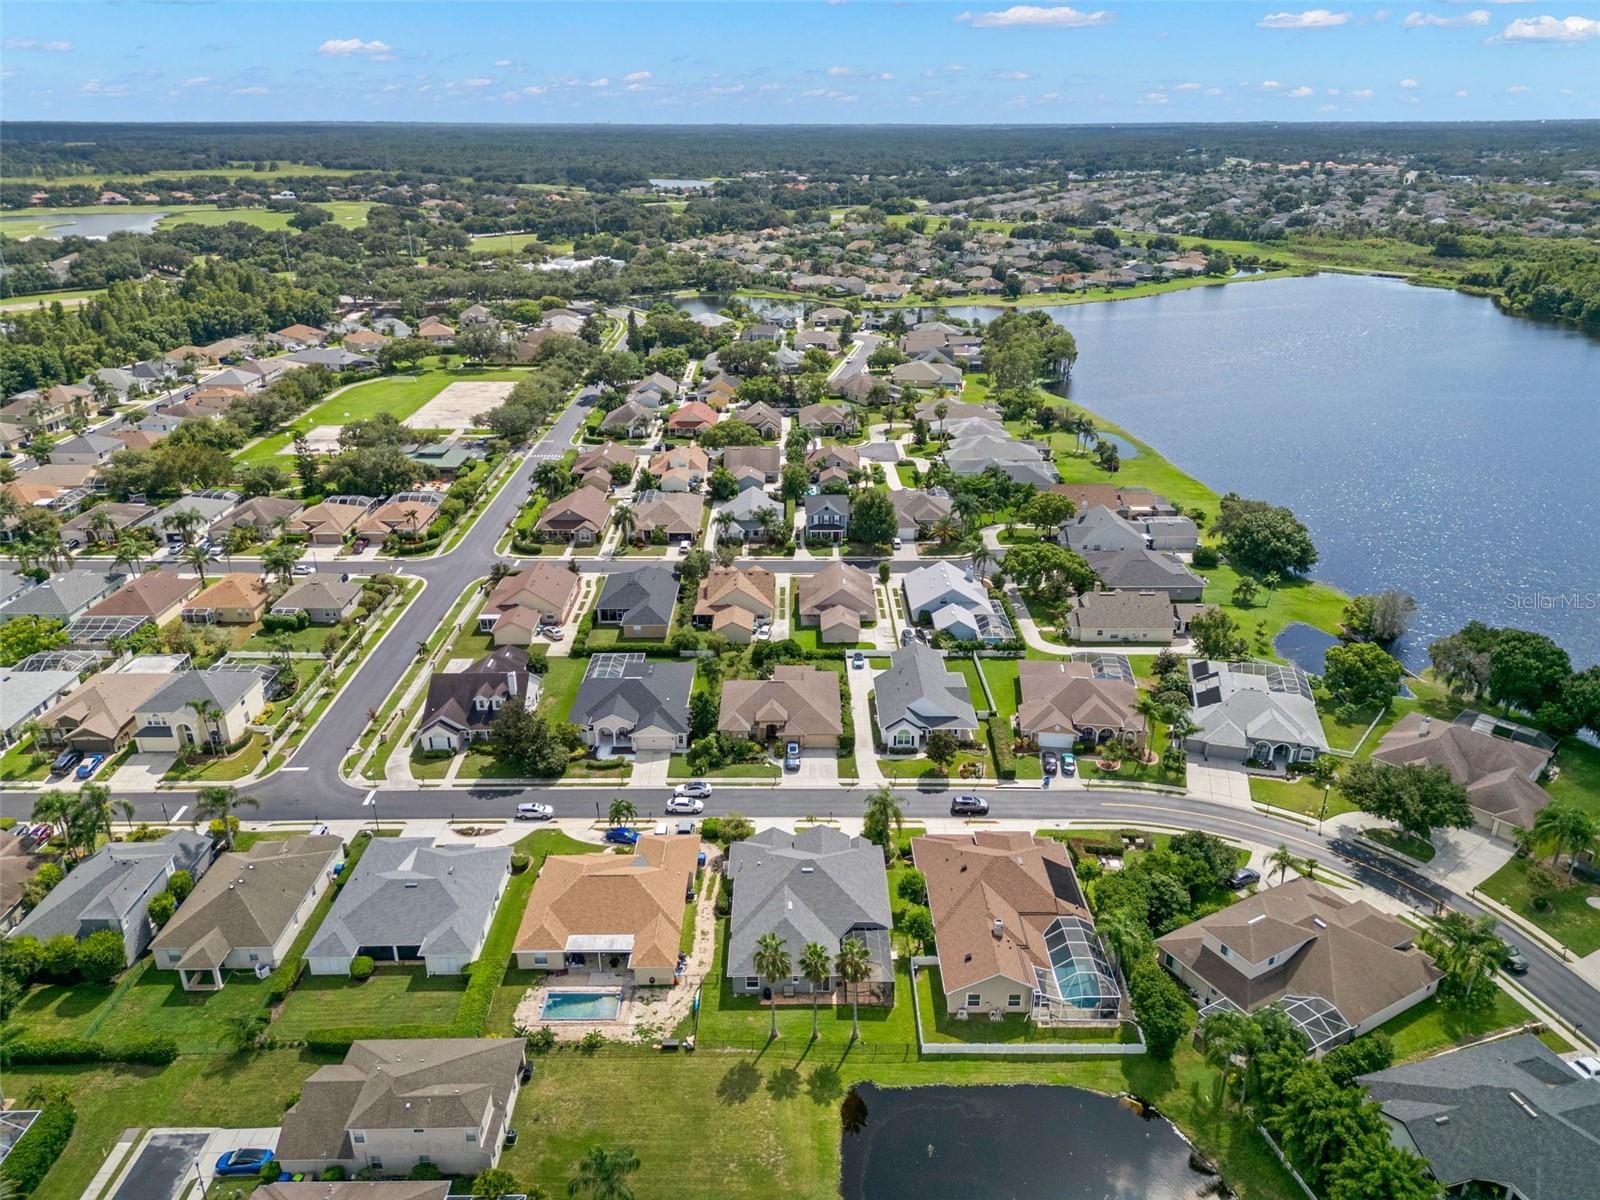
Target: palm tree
column 980, row 556
column 55, row 808
column 101, row 526
column 1271, row 580
column 816, row 964
column 278, row 560
column 941, row 410
column 221, row 804
column 884, row 813
column 603, row 1174
column 853, row 964
column 1468, row 950
column 622, row 810
column 1225, row 1036
column 92, row 813
column 772, row 964
column 1565, row 826
column 625, row 522
column 195, row 556
column 1281, row 861
column 209, row 714
column 770, row 521
column 185, row 523
column 1124, row 932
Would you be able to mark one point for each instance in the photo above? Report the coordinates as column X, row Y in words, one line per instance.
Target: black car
column 1243, row 878
column 65, row 761
column 1047, row 761
column 1514, row 961
column 968, row 806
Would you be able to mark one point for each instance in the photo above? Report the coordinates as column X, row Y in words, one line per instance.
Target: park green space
column 68, row 298
column 231, row 171
column 349, row 214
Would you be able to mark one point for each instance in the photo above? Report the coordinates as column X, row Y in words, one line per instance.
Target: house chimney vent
column 1427, row 723
column 999, row 928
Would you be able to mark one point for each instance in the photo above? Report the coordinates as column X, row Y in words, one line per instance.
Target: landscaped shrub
column 20, row 957
column 332, row 1175
column 361, row 967
column 153, row 1049
column 59, row 956
column 161, row 908
column 270, row 1171
column 425, row 1171
column 36, row 1151
column 1206, row 557
column 519, row 862
column 1005, row 762
column 1368, row 1053
column 912, row 886
column 542, row 1040
column 1160, row 1005
column 284, row 622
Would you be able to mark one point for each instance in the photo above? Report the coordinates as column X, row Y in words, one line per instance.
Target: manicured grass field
column 1301, row 796
column 679, row 769
column 41, row 222
column 221, row 770
column 231, row 171
column 495, row 243
column 393, row 995
column 1401, row 843
column 1569, row 919
column 17, row 765
column 1432, row 1026
column 1579, row 778
column 67, row 298
column 938, row 1025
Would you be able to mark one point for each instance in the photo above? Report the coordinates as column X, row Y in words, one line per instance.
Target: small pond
column 765, row 308
column 97, row 226
column 1305, row 646
column 1036, row 1141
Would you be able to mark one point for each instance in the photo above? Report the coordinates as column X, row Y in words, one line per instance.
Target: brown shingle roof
column 801, row 701
column 148, row 595
column 1498, row 773
column 1058, row 697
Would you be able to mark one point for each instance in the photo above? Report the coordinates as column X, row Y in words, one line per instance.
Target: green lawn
column 1579, row 778
column 939, row 1026
column 347, row 214
column 67, row 298
column 224, row 769
column 1401, row 843
column 1431, row 1026
column 17, row 765
column 679, row 769
column 301, row 641
column 393, row 995
column 1569, row 919
column 560, row 687
column 1301, row 796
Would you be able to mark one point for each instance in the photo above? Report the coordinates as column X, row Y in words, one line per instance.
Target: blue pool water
column 580, row 1006
column 1080, row 987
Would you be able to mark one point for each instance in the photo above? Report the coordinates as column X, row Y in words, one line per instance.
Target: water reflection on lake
column 88, row 225
column 1035, row 1141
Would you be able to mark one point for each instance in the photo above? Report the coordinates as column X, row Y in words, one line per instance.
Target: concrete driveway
column 818, row 765
column 650, row 768
column 1218, row 782
column 141, row 772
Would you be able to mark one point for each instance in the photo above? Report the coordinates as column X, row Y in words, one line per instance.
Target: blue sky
column 750, row 61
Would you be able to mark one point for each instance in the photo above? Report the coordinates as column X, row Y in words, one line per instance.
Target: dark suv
column 65, row 761
column 969, row 806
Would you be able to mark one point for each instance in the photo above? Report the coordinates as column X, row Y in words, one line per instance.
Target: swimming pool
column 580, row 1006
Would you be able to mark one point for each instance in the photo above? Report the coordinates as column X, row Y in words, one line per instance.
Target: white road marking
column 371, row 798
column 178, row 816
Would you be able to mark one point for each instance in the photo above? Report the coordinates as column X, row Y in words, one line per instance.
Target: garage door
column 1056, row 741
column 653, row 741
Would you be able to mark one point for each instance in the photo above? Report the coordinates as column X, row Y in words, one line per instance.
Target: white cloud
column 1016, row 75
column 1517, row 89
column 36, row 44
column 1551, row 29
column 1315, row 18
column 841, row 71
column 1188, row 87
column 1213, row 91
column 857, row 73
column 195, row 81
column 730, row 90
column 1363, row 94
column 1328, row 108
column 1154, row 98
column 502, row 63
column 534, row 90
column 1271, row 84
column 250, row 91
column 1478, row 16
column 57, row 47
column 479, row 82
column 947, row 69
column 345, row 47
column 599, row 83
column 1333, row 91
column 637, row 76
column 1408, row 84
column 770, row 87
column 1299, row 93
column 1022, row 16
column 1462, row 93
column 95, row 87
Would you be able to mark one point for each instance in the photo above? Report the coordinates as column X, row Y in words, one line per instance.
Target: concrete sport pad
column 460, row 405
column 323, row 439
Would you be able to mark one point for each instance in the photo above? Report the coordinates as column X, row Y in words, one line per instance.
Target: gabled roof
column 1100, row 527
column 1498, row 773
column 1136, row 569
column 676, row 512
column 222, row 688
column 838, row 585
column 1121, row 610
column 645, row 596
column 103, row 705
column 799, row 700
column 754, row 588
column 238, row 590
column 765, row 459
column 1239, row 704
column 919, row 689
column 61, row 596
column 548, row 586
column 604, row 456
column 817, row 885
column 320, row 591
column 642, row 693
column 943, row 582
column 146, row 595
column 921, row 506
column 585, row 507
column 113, row 882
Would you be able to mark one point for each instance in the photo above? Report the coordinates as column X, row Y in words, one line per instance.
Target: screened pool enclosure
column 1079, row 984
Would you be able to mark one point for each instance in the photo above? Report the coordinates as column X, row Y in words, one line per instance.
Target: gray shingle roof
column 646, row 596
column 1131, row 570
column 112, row 883
column 813, row 886
column 62, row 596
column 649, row 692
column 919, row 689
column 222, row 688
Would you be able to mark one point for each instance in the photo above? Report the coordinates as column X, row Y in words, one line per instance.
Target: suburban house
column 1500, row 770
column 97, row 717
column 193, row 517
column 111, row 889
column 1467, row 1112
column 209, row 710
column 578, row 517
column 406, row 518
column 431, row 329
column 1013, row 930
column 462, row 705
column 1130, row 503
column 691, row 418
column 917, row 697
column 261, row 513
column 837, row 600
column 827, row 516
column 680, row 468
column 766, row 459
column 157, row 596
column 610, row 914
column 17, row 867
column 87, row 450
column 677, row 514
column 1254, row 711
column 953, row 601
column 630, row 702
column 443, row 460
column 542, row 594
column 1100, row 529
column 332, row 521
column 1337, row 967
column 63, row 597
column 733, row 602
column 817, row 885
column 236, row 599
column 85, row 528
column 1099, row 617
column 639, row 603
column 743, row 518
column 799, row 704
column 842, row 458
column 1145, row 570
column 245, row 914
column 1064, row 703
column 835, row 420
column 1175, row 533
column 761, row 417
column 631, row 419
column 324, row 599
column 604, row 458
column 393, row 1104
column 919, row 510
column 28, row 689
column 972, row 454
column 411, row 901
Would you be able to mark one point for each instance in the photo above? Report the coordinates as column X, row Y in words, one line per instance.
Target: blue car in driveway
column 243, row 1162
column 622, row 837
column 89, row 765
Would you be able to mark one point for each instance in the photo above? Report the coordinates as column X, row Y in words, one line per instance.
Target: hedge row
column 1005, row 762
column 36, row 1151
column 152, row 1049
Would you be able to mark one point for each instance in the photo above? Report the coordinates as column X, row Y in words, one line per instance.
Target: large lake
column 986, row 1143
column 98, row 226
column 1430, row 442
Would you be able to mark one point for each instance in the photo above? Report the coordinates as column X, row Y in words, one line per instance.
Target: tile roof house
column 837, row 600
column 678, row 467
column 846, row 458
column 157, row 595
column 1500, row 774
column 409, row 900
column 691, row 418
column 610, row 913
column 1145, row 570
column 733, row 601
column 541, row 594
column 638, row 602
column 63, row 597
column 1013, row 928
column 800, row 704
column 324, row 599
column 1100, row 617
column 627, row 701
column 17, row 867
column 578, row 517
column 1339, row 967
column 407, row 518
column 168, row 720
column 818, row 885
column 1256, row 710
column 1509, row 1115
column 235, row 599
column 392, row 1104
column 462, row 705
column 111, row 889
column 81, row 530
column 917, row 696
column 1064, row 703
column 209, row 507
column 245, row 914
column 678, row 514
